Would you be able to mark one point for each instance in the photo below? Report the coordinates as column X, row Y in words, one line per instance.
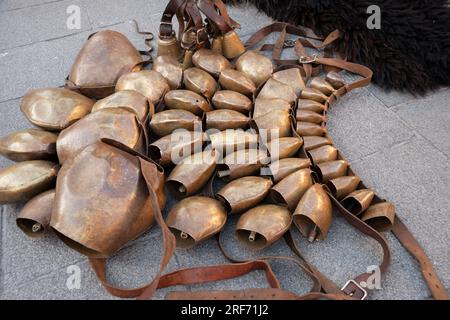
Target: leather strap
column 172, row 9
column 214, row 17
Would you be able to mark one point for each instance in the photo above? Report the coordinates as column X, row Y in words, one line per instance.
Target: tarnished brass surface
column 55, row 108
column 169, row 46
column 313, row 94
column 114, row 123
column 105, row 57
column 216, row 44
column 128, row 99
column 313, row 142
column 210, row 61
column 335, row 79
column 284, row 167
column 322, row 85
column 291, row 77
column 244, row 193
column 274, row 89
column 170, row 69
column 256, row 66
column 310, row 129
column 195, row 219
column 176, row 146
column 263, row 106
column 231, row 100
column 263, row 225
column 289, row 190
column 226, row 119
column 34, row 218
column 200, row 81
column 192, row 173
column 331, row 170
column 314, row 214
column 29, row 144
column 358, row 201
column 311, row 105
column 343, row 186
column 276, row 124
column 187, row 100
column 309, row 116
column 284, row 147
column 229, row 141
column 102, row 200
column 149, row 83
column 23, row 180
column 165, row 122
column 323, row 154
column 238, row 81
column 232, row 45
column 380, row 216
column 242, row 163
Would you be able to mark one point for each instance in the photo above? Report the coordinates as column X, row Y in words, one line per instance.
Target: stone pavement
column 398, row 144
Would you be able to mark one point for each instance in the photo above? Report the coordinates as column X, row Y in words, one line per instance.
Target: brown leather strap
column 214, row 17
column 172, row 9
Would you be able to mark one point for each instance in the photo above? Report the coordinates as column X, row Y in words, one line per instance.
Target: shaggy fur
column 411, row 51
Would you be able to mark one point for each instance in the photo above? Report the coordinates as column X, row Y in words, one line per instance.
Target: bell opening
column 352, row 205
column 154, row 153
column 177, row 188
column 308, row 228
column 318, row 172
column 225, row 203
column 277, row 197
column 31, row 227
column 252, row 238
column 332, row 188
column 183, row 239
column 380, row 224
column 78, row 246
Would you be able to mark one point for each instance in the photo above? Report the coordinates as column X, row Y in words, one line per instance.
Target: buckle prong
column 308, row 59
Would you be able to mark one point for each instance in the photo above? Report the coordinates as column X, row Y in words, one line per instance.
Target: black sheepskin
column 411, row 51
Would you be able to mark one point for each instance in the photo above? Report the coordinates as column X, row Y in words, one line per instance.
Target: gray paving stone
column 31, row 25
column 6, row 5
column 429, row 117
column 249, row 18
column 362, row 125
column 390, row 98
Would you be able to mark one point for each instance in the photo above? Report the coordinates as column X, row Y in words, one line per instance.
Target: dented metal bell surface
column 309, row 116
column 343, row 186
column 313, row 94
column 200, row 81
column 172, row 148
column 187, row 100
column 228, row 141
column 106, row 197
column 192, row 173
column 284, row 147
column 263, row 225
column 256, row 66
column 242, row 163
column 358, row 201
column 331, row 170
column 23, row 180
column 313, row 142
column 165, row 122
column 244, row 193
column 310, row 129
column 29, row 144
column 55, row 108
column 291, row 77
column 223, row 119
column 310, row 105
column 232, row 45
column 274, row 89
column 210, row 61
column 380, row 216
column 114, row 123
column 273, row 125
column 289, row 190
column 323, row 154
column 322, row 85
column 106, row 56
column 263, row 106
column 169, row 46
column 170, row 69
column 314, row 213
column 34, row 218
column 282, row 168
column 231, row 100
column 195, row 219
column 335, row 79
column 238, row 81
column 149, row 83
column 128, row 99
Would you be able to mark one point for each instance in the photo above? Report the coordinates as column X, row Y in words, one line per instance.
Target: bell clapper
column 182, row 189
column 36, row 227
column 183, row 235
column 223, row 173
column 252, row 236
column 312, row 235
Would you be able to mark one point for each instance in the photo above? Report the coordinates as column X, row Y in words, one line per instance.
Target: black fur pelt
column 411, row 51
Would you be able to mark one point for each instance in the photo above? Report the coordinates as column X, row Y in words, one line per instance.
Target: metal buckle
column 289, row 43
column 308, row 59
column 200, row 42
column 347, row 289
column 163, row 28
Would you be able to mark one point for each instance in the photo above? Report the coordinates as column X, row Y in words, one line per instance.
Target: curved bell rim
column 380, row 216
column 343, row 186
column 322, row 154
column 327, row 171
column 358, row 201
column 290, row 190
column 284, row 167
